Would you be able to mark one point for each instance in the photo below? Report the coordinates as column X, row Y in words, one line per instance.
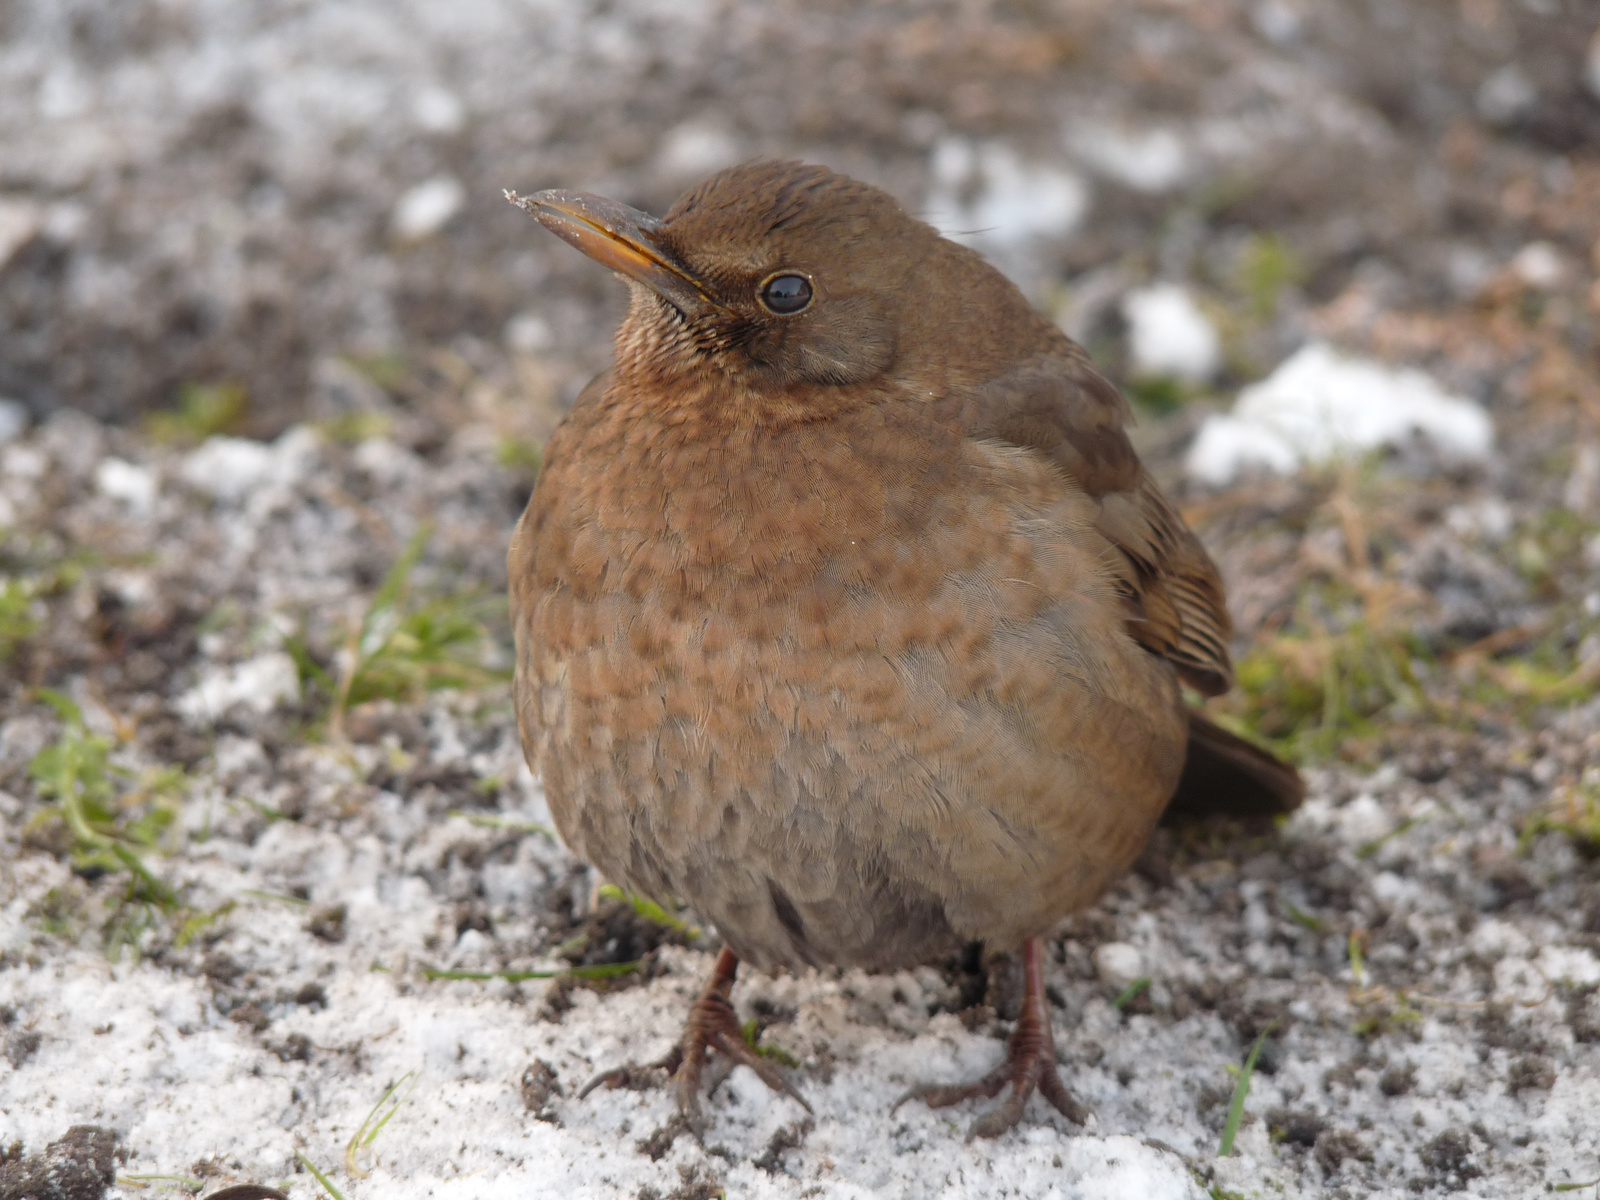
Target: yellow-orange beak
column 618, row 237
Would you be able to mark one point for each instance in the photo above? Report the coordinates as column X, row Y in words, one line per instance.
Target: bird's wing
column 1060, row 406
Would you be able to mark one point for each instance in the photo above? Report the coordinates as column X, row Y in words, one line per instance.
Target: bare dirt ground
column 276, row 897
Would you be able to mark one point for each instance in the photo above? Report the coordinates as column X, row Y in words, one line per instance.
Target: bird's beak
column 618, row 237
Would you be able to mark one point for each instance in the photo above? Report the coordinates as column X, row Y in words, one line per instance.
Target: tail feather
column 1224, row 775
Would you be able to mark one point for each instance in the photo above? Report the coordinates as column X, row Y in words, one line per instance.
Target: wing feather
column 1060, row 406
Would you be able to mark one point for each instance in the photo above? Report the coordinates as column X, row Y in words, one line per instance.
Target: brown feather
column 1060, row 406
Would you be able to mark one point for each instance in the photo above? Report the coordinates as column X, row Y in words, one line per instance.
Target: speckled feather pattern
column 842, row 686
column 860, row 629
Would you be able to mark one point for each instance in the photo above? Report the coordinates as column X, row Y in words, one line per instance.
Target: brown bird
column 845, row 611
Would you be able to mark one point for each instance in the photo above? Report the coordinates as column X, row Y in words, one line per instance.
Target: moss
column 203, row 410
column 1327, row 678
column 1268, row 266
column 17, row 620
column 525, row 458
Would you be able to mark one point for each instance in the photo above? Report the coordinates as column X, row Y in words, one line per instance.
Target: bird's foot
column 712, row 1025
column 1030, row 1065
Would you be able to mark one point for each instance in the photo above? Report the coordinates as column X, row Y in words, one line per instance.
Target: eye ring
column 786, row 293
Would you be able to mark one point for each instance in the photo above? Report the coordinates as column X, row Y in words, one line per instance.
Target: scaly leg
column 1030, row 1063
column 712, row 1025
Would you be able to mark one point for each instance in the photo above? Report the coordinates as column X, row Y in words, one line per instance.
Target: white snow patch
column 127, row 482
column 260, row 683
column 1363, row 820
column 1320, row 405
column 1490, row 519
column 229, row 468
column 1118, row 963
column 438, row 110
column 1569, row 964
column 1169, row 335
column 1147, row 160
column 697, row 148
column 427, row 208
column 528, row 333
column 986, row 194
column 225, row 468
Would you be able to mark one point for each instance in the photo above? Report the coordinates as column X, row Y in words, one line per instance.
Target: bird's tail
column 1224, row 775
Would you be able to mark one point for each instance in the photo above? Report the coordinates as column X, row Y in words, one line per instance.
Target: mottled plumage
column 860, row 628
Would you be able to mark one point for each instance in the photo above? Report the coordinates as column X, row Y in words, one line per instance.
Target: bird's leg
column 712, row 1025
column 1030, row 1063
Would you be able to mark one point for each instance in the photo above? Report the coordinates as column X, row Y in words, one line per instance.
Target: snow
column 1147, row 160
column 260, row 683
column 1169, row 335
column 1319, row 405
column 1118, row 963
column 265, row 1035
column 227, row 467
column 528, row 333
column 986, row 194
column 230, row 468
column 428, row 207
column 697, row 148
column 151, row 1054
column 133, row 485
column 438, row 110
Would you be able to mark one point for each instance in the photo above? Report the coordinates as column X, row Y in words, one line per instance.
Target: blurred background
column 260, row 195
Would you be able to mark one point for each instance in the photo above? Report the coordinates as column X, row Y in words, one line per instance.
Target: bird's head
column 782, row 279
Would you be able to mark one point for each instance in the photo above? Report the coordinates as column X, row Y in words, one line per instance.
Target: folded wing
column 1060, row 406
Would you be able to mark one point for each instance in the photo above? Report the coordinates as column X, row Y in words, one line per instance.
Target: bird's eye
column 786, row 294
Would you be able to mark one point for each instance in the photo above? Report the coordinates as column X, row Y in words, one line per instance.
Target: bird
column 845, row 612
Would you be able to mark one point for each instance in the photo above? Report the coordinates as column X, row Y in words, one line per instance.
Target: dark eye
column 786, row 294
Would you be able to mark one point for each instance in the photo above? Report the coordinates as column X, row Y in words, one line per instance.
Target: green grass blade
column 1131, row 993
column 1241, row 1089
column 327, row 1184
column 368, row 1131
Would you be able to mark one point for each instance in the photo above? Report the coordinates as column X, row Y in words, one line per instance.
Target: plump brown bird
column 845, row 611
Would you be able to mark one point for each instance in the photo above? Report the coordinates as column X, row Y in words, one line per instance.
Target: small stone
column 80, row 1165
column 21, row 1046
column 251, row 1016
column 539, row 1084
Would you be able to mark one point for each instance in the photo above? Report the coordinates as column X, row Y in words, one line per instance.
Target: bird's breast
column 879, row 647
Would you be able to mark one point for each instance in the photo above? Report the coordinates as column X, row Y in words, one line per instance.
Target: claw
column 712, row 1025
column 1030, row 1064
